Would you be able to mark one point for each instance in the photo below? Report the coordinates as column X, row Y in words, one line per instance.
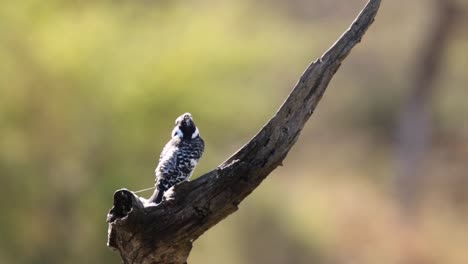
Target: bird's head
column 185, row 127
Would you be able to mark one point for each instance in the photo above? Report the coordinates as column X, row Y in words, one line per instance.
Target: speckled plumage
column 179, row 157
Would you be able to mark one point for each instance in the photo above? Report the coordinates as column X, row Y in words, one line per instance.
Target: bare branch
column 165, row 233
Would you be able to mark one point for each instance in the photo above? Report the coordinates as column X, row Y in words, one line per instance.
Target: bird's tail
column 157, row 196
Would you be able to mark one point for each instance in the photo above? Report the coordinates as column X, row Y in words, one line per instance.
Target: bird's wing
column 167, row 161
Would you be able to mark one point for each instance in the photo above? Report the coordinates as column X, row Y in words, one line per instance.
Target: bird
column 179, row 156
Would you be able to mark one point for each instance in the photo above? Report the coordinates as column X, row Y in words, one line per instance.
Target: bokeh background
column 89, row 91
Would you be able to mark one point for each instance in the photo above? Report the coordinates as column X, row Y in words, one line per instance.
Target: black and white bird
column 179, row 157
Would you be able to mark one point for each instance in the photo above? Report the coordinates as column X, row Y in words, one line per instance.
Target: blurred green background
column 89, row 91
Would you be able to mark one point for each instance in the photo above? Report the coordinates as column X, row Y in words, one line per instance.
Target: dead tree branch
column 165, row 233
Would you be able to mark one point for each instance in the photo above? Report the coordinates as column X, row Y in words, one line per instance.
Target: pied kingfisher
column 179, row 157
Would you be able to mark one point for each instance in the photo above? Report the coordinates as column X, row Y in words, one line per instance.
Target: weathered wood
column 164, row 234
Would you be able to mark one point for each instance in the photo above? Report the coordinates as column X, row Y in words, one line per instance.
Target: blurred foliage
column 89, row 91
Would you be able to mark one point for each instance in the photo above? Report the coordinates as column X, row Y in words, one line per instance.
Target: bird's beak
column 187, row 119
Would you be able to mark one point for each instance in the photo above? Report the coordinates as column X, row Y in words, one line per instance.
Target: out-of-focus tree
column 414, row 128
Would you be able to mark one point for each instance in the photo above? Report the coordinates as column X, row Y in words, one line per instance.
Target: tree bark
column 164, row 233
